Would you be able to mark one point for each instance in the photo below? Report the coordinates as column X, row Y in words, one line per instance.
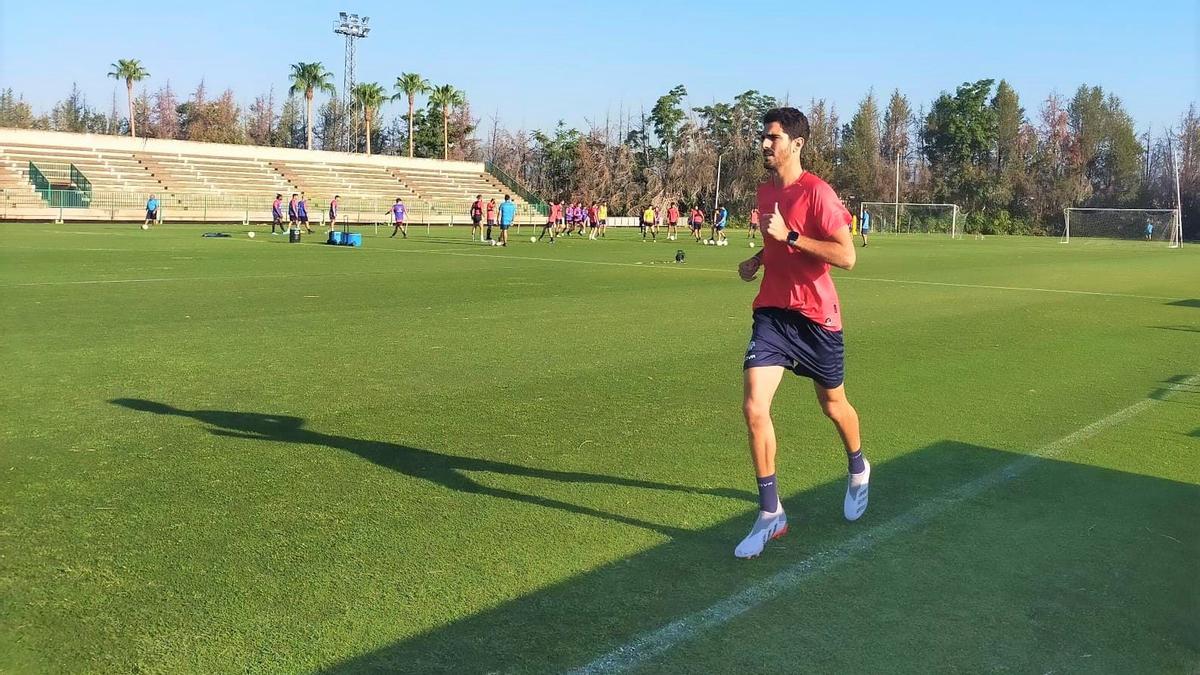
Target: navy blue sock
column 768, row 494
column 857, row 464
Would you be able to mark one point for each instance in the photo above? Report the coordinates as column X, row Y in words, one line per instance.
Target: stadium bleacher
column 114, row 175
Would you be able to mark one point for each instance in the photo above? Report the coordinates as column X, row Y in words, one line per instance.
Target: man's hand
column 773, row 226
column 749, row 268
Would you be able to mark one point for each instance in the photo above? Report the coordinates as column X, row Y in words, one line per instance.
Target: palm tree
column 369, row 96
column 446, row 97
column 409, row 85
column 308, row 77
column 131, row 71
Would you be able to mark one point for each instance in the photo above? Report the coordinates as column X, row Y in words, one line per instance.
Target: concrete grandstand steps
column 217, row 182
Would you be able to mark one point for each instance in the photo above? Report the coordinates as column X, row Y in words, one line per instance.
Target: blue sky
column 532, row 63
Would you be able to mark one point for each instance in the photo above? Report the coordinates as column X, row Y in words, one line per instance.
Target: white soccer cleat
column 766, row 528
column 856, row 493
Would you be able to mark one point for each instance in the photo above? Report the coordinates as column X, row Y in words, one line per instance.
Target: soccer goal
column 912, row 218
column 1155, row 225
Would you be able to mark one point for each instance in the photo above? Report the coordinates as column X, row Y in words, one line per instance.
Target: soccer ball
column 751, row 244
column 533, row 240
column 710, row 242
column 145, row 226
column 250, row 234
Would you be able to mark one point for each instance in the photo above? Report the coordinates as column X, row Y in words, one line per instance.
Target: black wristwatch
column 792, row 237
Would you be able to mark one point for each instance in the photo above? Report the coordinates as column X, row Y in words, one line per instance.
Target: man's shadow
column 448, row 471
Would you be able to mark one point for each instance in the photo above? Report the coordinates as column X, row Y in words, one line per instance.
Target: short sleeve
column 829, row 212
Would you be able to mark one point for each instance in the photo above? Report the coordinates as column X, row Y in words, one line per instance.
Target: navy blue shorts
column 784, row 338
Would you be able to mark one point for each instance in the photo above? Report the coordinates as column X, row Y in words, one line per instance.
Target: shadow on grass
column 1058, row 562
column 1182, row 329
column 1192, row 302
column 442, row 469
column 1038, row 538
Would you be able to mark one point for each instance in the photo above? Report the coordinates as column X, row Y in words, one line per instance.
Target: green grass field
column 232, row 455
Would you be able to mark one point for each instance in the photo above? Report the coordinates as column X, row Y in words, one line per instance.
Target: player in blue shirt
column 508, row 214
column 864, row 228
column 1149, row 230
column 152, row 211
column 399, row 217
column 719, row 224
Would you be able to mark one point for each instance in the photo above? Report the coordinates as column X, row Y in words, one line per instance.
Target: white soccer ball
column 710, row 242
column 533, row 240
column 751, row 244
column 250, row 234
column 145, row 226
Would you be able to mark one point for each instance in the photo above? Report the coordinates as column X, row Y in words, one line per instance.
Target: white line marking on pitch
column 639, row 651
column 731, row 271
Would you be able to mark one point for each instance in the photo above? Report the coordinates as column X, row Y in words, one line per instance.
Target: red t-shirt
column 793, row 279
column 754, row 217
column 672, row 215
column 491, row 210
column 697, row 216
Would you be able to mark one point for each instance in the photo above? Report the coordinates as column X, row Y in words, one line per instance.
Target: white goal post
column 1156, row 225
column 911, row 217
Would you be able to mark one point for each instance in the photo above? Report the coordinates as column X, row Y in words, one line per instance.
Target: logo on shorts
column 750, row 351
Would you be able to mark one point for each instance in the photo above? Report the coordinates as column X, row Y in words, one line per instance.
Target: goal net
column 1157, row 225
column 911, row 218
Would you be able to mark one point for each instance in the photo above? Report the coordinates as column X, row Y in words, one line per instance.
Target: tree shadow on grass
column 1053, row 563
column 1191, row 302
column 442, row 469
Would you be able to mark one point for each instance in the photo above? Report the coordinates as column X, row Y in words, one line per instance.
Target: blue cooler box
column 352, row 239
column 335, row 237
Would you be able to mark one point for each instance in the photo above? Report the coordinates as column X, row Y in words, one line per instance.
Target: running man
column 477, row 217
column 152, row 211
column 864, row 227
column 333, row 212
column 277, row 214
column 508, row 214
column 797, row 317
column 399, row 218
column 753, row 223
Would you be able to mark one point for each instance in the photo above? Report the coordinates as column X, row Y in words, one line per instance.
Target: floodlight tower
column 352, row 27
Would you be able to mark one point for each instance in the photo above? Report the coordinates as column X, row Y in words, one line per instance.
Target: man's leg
column 837, row 408
column 771, row 523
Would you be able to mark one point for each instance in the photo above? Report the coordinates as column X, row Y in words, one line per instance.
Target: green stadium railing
column 225, row 208
column 516, row 186
column 75, row 198
column 82, row 184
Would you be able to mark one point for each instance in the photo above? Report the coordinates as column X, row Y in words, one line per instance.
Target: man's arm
column 837, row 251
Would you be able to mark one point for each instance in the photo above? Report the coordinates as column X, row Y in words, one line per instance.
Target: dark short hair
column 506, row 197
column 794, row 123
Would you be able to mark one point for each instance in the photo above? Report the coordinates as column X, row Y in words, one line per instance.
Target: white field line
column 640, row 650
column 732, row 270
column 665, row 265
